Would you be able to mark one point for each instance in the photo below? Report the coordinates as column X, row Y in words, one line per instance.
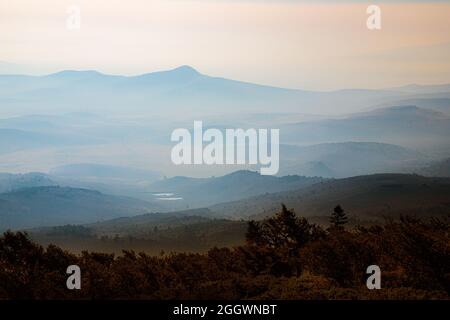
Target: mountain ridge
column 56, row 205
column 187, row 69
column 180, row 88
column 366, row 197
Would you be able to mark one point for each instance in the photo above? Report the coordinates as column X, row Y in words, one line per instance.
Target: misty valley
column 86, row 177
column 86, row 168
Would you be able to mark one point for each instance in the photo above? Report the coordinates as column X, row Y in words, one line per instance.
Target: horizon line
column 194, row 70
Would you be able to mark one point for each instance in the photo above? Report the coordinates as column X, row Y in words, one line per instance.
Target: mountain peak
column 170, row 76
column 75, row 73
column 185, row 69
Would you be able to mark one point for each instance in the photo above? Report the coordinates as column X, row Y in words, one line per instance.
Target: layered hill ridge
column 198, row 192
column 369, row 197
column 54, row 205
column 183, row 88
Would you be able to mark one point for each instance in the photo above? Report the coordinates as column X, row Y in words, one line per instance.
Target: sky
column 314, row 45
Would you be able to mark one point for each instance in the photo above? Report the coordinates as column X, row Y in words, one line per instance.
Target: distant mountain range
column 437, row 104
column 402, row 125
column 366, row 198
column 11, row 182
column 33, row 200
column 72, row 121
column 181, row 89
column 348, row 159
column 198, row 192
column 90, row 131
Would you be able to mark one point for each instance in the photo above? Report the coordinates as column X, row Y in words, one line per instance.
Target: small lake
column 166, row 196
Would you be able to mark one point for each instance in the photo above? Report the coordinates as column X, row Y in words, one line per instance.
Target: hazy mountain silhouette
column 311, row 169
column 366, row 199
column 437, row 104
column 53, row 205
column 402, row 125
column 237, row 185
column 347, row 159
column 10, row 182
column 183, row 88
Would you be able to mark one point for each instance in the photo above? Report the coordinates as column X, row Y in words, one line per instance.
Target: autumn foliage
column 285, row 257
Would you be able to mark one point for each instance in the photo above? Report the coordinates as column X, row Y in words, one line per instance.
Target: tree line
column 284, row 257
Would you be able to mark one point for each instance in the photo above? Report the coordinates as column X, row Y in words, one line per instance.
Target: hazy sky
column 300, row 44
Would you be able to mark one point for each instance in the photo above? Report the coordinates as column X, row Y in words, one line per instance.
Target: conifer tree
column 338, row 218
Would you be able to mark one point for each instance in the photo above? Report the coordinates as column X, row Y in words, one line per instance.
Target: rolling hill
column 346, row 159
column 366, row 199
column 142, row 224
column 199, row 192
column 363, row 197
column 189, row 230
column 437, row 104
column 10, row 182
column 53, row 205
column 408, row 126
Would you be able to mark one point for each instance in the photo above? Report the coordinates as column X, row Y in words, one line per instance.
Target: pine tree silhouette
column 338, row 218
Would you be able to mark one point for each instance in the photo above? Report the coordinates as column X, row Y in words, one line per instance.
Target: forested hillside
column 284, row 257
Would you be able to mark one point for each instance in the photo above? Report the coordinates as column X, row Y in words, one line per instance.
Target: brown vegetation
column 285, row 257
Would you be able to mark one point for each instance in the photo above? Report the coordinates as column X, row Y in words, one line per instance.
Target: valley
column 85, row 157
column 367, row 200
